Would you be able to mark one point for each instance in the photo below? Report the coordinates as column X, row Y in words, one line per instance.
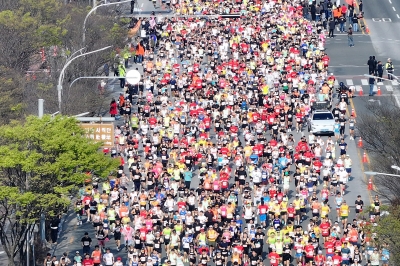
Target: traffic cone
column 365, row 159
column 360, row 92
column 370, row 186
column 360, row 143
column 379, row 91
column 366, row 30
column 353, row 112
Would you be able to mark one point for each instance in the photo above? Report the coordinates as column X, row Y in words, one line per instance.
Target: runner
column 216, row 103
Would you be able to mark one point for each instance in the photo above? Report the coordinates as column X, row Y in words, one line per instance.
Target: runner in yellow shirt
column 344, row 212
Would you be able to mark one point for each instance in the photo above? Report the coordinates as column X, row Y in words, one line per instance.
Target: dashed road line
column 394, row 9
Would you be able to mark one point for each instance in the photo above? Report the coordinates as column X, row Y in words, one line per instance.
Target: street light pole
column 376, row 173
column 93, row 10
column 61, row 77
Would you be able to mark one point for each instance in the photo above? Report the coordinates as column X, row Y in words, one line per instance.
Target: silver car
column 321, row 122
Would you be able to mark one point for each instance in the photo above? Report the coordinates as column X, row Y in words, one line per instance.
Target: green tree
column 42, row 162
column 32, row 26
column 386, row 232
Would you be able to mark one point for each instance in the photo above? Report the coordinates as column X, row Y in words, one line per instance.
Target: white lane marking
column 379, row 83
column 364, row 82
column 358, row 88
column 336, row 82
column 394, row 9
column 396, row 97
column 395, row 82
column 375, row 88
column 390, row 1
column 349, row 82
column 389, row 88
column 398, row 16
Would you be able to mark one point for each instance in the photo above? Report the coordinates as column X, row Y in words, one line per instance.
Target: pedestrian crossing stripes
column 363, row 84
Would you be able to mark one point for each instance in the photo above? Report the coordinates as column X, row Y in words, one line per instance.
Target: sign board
column 100, row 133
column 381, row 20
column 133, row 77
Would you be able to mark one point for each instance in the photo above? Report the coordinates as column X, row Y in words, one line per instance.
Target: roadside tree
column 42, row 163
column 380, row 133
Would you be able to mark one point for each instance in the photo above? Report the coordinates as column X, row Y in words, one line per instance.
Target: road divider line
column 390, row 1
column 394, row 9
column 398, row 16
column 360, row 158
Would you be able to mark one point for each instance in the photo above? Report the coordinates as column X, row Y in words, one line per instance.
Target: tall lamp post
column 376, row 173
column 61, row 77
column 93, row 10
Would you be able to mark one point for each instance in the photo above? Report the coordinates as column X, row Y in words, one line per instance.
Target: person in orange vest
column 139, row 53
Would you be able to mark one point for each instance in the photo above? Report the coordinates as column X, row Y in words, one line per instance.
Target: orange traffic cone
column 379, row 91
column 370, row 186
column 360, row 143
column 353, row 112
column 366, row 30
column 365, row 159
column 360, row 93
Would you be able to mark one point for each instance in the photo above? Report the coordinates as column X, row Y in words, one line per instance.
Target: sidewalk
column 70, row 233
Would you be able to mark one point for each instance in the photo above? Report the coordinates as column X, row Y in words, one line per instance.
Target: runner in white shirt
column 108, row 258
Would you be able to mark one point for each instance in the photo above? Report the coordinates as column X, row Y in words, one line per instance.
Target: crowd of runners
column 215, row 166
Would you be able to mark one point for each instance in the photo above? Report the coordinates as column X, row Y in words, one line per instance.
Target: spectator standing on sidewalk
column 342, row 23
column 354, row 20
column 379, row 70
column 113, row 108
column 331, row 25
column 106, row 69
column 390, row 68
column 122, row 73
column 54, row 229
column 371, row 82
column 350, row 37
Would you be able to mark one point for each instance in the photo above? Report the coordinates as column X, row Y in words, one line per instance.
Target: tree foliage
column 387, row 231
column 29, row 27
column 42, row 162
column 380, row 132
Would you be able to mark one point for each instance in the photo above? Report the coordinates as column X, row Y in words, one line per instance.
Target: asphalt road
column 350, row 64
column 383, row 20
column 347, row 63
column 70, row 238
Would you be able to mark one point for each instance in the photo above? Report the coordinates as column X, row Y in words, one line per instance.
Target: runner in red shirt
column 320, row 259
column 274, row 258
column 291, row 213
column 329, row 248
column 263, row 212
column 325, row 227
column 152, row 122
column 309, row 250
column 337, row 260
column 87, row 261
column 224, row 180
